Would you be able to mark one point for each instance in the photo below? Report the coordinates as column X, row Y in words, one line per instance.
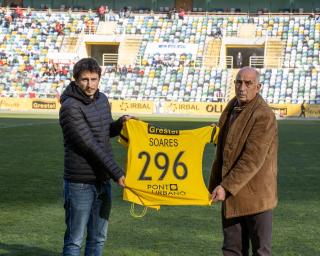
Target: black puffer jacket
column 87, row 126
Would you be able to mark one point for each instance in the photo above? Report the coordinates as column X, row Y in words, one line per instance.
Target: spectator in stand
column 181, row 13
column 219, row 95
column 28, row 12
column 111, row 15
column 89, row 26
column 59, row 28
column 239, row 60
column 172, row 13
column 63, row 71
column 192, row 63
column 102, row 12
column 44, row 31
column 70, row 12
column 107, row 70
column 3, row 54
column 106, row 13
column 218, row 33
column 124, row 70
column 18, row 13
column 121, row 13
column 8, row 19
column 28, row 68
column 141, row 72
column 127, row 12
column 47, row 72
column 169, row 14
column 114, row 68
column 2, row 12
column 49, row 11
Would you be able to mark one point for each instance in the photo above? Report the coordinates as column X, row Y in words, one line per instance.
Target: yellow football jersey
column 164, row 167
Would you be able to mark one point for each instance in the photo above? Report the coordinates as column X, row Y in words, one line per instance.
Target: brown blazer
column 247, row 164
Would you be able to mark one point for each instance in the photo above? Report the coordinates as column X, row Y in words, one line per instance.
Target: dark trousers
column 238, row 232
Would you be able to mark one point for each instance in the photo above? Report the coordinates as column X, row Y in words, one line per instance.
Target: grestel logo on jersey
column 161, row 131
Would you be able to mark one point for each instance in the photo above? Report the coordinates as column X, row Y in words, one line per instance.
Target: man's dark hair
column 86, row 64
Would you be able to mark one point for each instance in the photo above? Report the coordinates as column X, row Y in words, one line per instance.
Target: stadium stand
column 168, row 83
column 296, row 80
column 26, row 70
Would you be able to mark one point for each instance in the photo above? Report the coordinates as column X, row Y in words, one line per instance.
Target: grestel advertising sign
column 136, row 107
column 18, row 104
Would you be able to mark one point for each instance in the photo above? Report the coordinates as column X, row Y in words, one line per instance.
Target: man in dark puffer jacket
column 87, row 126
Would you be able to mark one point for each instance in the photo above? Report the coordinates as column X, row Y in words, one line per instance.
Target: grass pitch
column 32, row 216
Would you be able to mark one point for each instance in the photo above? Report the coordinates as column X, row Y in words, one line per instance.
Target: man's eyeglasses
column 247, row 83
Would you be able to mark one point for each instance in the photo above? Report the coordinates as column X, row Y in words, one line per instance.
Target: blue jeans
column 86, row 206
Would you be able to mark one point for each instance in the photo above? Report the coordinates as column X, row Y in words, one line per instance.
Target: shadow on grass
column 23, row 250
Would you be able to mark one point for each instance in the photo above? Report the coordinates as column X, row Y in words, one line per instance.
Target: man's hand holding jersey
column 218, row 194
column 127, row 117
column 121, row 181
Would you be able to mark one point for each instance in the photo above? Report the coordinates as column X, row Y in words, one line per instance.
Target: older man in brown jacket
column 244, row 173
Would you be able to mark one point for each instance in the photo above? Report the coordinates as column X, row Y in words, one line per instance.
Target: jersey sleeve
column 215, row 135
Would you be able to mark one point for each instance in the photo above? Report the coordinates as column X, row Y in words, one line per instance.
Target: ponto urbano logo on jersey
column 165, row 189
column 161, row 131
